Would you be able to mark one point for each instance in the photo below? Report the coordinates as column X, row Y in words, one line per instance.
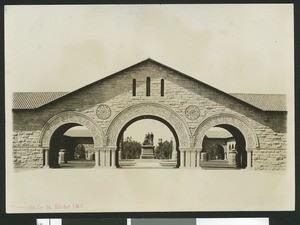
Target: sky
column 235, row 48
column 241, row 48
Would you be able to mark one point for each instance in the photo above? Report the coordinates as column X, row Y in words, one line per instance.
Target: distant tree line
column 132, row 149
column 163, row 150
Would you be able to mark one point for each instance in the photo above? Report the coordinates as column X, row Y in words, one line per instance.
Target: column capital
column 250, row 149
column 97, row 148
column 190, row 149
column 198, row 149
column 184, row 149
column 111, row 148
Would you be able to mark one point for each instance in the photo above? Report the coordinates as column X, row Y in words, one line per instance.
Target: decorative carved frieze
column 74, row 118
column 228, row 119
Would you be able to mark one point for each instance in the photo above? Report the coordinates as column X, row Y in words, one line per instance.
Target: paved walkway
column 124, row 164
column 148, row 164
column 77, row 164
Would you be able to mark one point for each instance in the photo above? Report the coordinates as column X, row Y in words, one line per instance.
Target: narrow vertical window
column 148, row 86
column 134, row 87
column 162, row 87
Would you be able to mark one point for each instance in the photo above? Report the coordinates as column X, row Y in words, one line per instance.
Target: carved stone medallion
column 192, row 112
column 103, row 112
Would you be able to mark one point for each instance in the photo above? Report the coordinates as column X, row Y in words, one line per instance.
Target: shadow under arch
column 240, row 145
column 148, row 117
column 56, row 126
column 58, row 141
column 226, row 120
column 246, row 139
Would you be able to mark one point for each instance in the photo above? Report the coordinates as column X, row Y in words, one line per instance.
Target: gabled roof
column 33, row 100
column 264, row 102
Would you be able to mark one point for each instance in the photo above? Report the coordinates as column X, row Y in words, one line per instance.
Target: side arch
column 71, row 117
column 148, row 109
column 227, row 119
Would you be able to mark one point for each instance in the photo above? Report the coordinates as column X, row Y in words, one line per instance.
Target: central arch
column 173, row 131
column 148, row 110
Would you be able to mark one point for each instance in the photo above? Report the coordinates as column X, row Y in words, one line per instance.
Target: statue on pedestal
column 148, row 139
column 151, row 138
column 148, row 147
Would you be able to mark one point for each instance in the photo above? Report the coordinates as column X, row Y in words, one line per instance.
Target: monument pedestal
column 147, row 152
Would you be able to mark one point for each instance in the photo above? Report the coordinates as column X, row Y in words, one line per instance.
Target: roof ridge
column 31, row 100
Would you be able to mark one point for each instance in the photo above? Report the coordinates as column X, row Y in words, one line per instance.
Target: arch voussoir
column 70, row 117
column 148, row 109
column 227, row 119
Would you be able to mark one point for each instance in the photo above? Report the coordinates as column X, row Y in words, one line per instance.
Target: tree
column 131, row 149
column 163, row 150
column 215, row 151
column 79, row 152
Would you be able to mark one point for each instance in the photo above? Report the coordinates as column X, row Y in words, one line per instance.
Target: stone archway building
column 150, row 89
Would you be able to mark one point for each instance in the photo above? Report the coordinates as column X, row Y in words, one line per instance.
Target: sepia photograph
column 149, row 108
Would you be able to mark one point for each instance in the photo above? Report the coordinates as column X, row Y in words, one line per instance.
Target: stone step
column 143, row 163
column 147, row 156
column 217, row 164
column 168, row 163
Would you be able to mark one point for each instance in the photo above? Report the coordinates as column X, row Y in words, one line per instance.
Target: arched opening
column 224, row 146
column 71, row 146
column 155, row 142
column 219, row 152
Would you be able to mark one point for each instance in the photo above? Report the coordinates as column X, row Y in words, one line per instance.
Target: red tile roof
column 265, row 102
